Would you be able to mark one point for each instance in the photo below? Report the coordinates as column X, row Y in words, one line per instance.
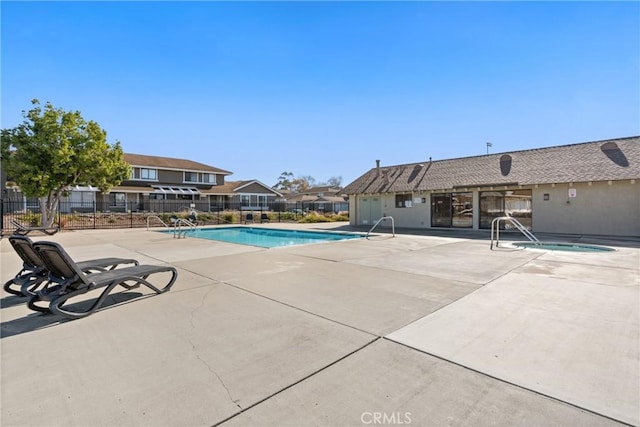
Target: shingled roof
column 171, row 163
column 232, row 187
column 613, row 159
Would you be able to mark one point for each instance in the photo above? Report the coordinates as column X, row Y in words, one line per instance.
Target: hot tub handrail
column 393, row 225
column 496, row 221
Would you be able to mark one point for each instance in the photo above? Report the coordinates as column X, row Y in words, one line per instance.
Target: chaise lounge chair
column 67, row 281
column 248, row 218
column 21, row 230
column 34, row 272
column 264, row 218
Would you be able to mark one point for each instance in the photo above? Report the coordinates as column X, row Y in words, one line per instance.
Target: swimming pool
column 568, row 247
column 269, row 237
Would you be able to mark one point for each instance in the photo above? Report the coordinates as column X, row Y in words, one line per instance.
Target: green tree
column 53, row 150
column 285, row 181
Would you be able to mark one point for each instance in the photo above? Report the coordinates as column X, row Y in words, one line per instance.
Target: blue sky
column 323, row 89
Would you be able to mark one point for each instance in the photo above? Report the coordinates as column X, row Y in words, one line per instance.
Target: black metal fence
column 82, row 216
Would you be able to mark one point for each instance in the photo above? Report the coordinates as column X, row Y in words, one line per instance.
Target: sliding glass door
column 452, row 210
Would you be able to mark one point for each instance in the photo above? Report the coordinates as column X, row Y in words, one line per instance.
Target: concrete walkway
column 424, row 330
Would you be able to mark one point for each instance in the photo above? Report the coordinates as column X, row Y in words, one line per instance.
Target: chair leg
column 33, row 306
column 31, row 288
column 7, row 287
column 56, row 305
column 27, row 284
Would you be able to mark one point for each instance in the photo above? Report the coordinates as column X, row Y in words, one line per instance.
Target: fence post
column 2, row 213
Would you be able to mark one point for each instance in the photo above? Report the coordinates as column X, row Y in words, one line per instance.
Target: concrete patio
column 427, row 330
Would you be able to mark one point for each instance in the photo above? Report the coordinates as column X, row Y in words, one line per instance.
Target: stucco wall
column 417, row 216
column 599, row 208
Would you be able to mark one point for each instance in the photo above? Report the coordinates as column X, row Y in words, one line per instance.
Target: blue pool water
column 268, row 237
column 569, row 247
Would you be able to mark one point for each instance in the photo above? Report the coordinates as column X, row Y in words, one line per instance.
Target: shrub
column 228, row 217
column 34, row 219
column 286, row 216
column 314, row 217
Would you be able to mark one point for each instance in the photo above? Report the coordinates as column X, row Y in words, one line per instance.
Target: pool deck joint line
column 429, row 326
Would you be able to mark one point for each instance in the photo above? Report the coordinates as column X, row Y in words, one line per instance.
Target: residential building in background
column 320, row 199
column 160, row 184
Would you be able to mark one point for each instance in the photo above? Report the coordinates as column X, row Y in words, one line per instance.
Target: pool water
column 268, row 237
column 568, row 247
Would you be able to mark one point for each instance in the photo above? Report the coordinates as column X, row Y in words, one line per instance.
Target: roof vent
column 505, row 164
column 615, row 154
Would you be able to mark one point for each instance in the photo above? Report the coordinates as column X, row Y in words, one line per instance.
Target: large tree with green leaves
column 53, row 150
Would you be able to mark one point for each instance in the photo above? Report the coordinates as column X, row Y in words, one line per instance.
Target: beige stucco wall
column 417, row 216
column 600, row 208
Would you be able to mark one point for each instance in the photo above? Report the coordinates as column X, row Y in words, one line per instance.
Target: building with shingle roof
column 321, row 198
column 163, row 184
column 160, row 181
column 585, row 188
column 170, row 163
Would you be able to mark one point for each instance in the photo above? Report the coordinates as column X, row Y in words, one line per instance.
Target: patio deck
column 424, row 330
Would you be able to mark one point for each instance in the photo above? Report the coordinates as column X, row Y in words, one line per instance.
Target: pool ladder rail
column 495, row 230
column 178, row 227
column 393, row 225
column 178, row 224
column 157, row 218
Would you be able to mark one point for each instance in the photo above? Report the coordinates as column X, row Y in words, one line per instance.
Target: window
column 206, row 178
column 116, row 199
column 191, row 177
column 403, row 200
column 149, row 174
column 515, row 203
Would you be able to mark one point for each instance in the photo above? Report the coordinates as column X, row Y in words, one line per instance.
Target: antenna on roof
column 489, row 145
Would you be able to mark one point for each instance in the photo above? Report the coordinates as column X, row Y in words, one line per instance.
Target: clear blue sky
column 326, row 88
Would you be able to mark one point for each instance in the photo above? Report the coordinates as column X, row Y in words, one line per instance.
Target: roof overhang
column 497, row 184
column 164, row 189
column 83, row 188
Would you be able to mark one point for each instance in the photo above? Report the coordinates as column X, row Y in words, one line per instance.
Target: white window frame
column 148, row 173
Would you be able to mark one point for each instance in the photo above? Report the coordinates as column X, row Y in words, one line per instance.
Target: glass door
column 441, row 210
column 462, row 210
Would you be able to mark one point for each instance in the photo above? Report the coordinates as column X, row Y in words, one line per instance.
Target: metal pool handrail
column 393, row 225
column 177, row 227
column 529, row 235
column 158, row 218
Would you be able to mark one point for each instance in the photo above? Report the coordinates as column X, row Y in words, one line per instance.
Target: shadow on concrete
column 12, row 301
column 36, row 320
